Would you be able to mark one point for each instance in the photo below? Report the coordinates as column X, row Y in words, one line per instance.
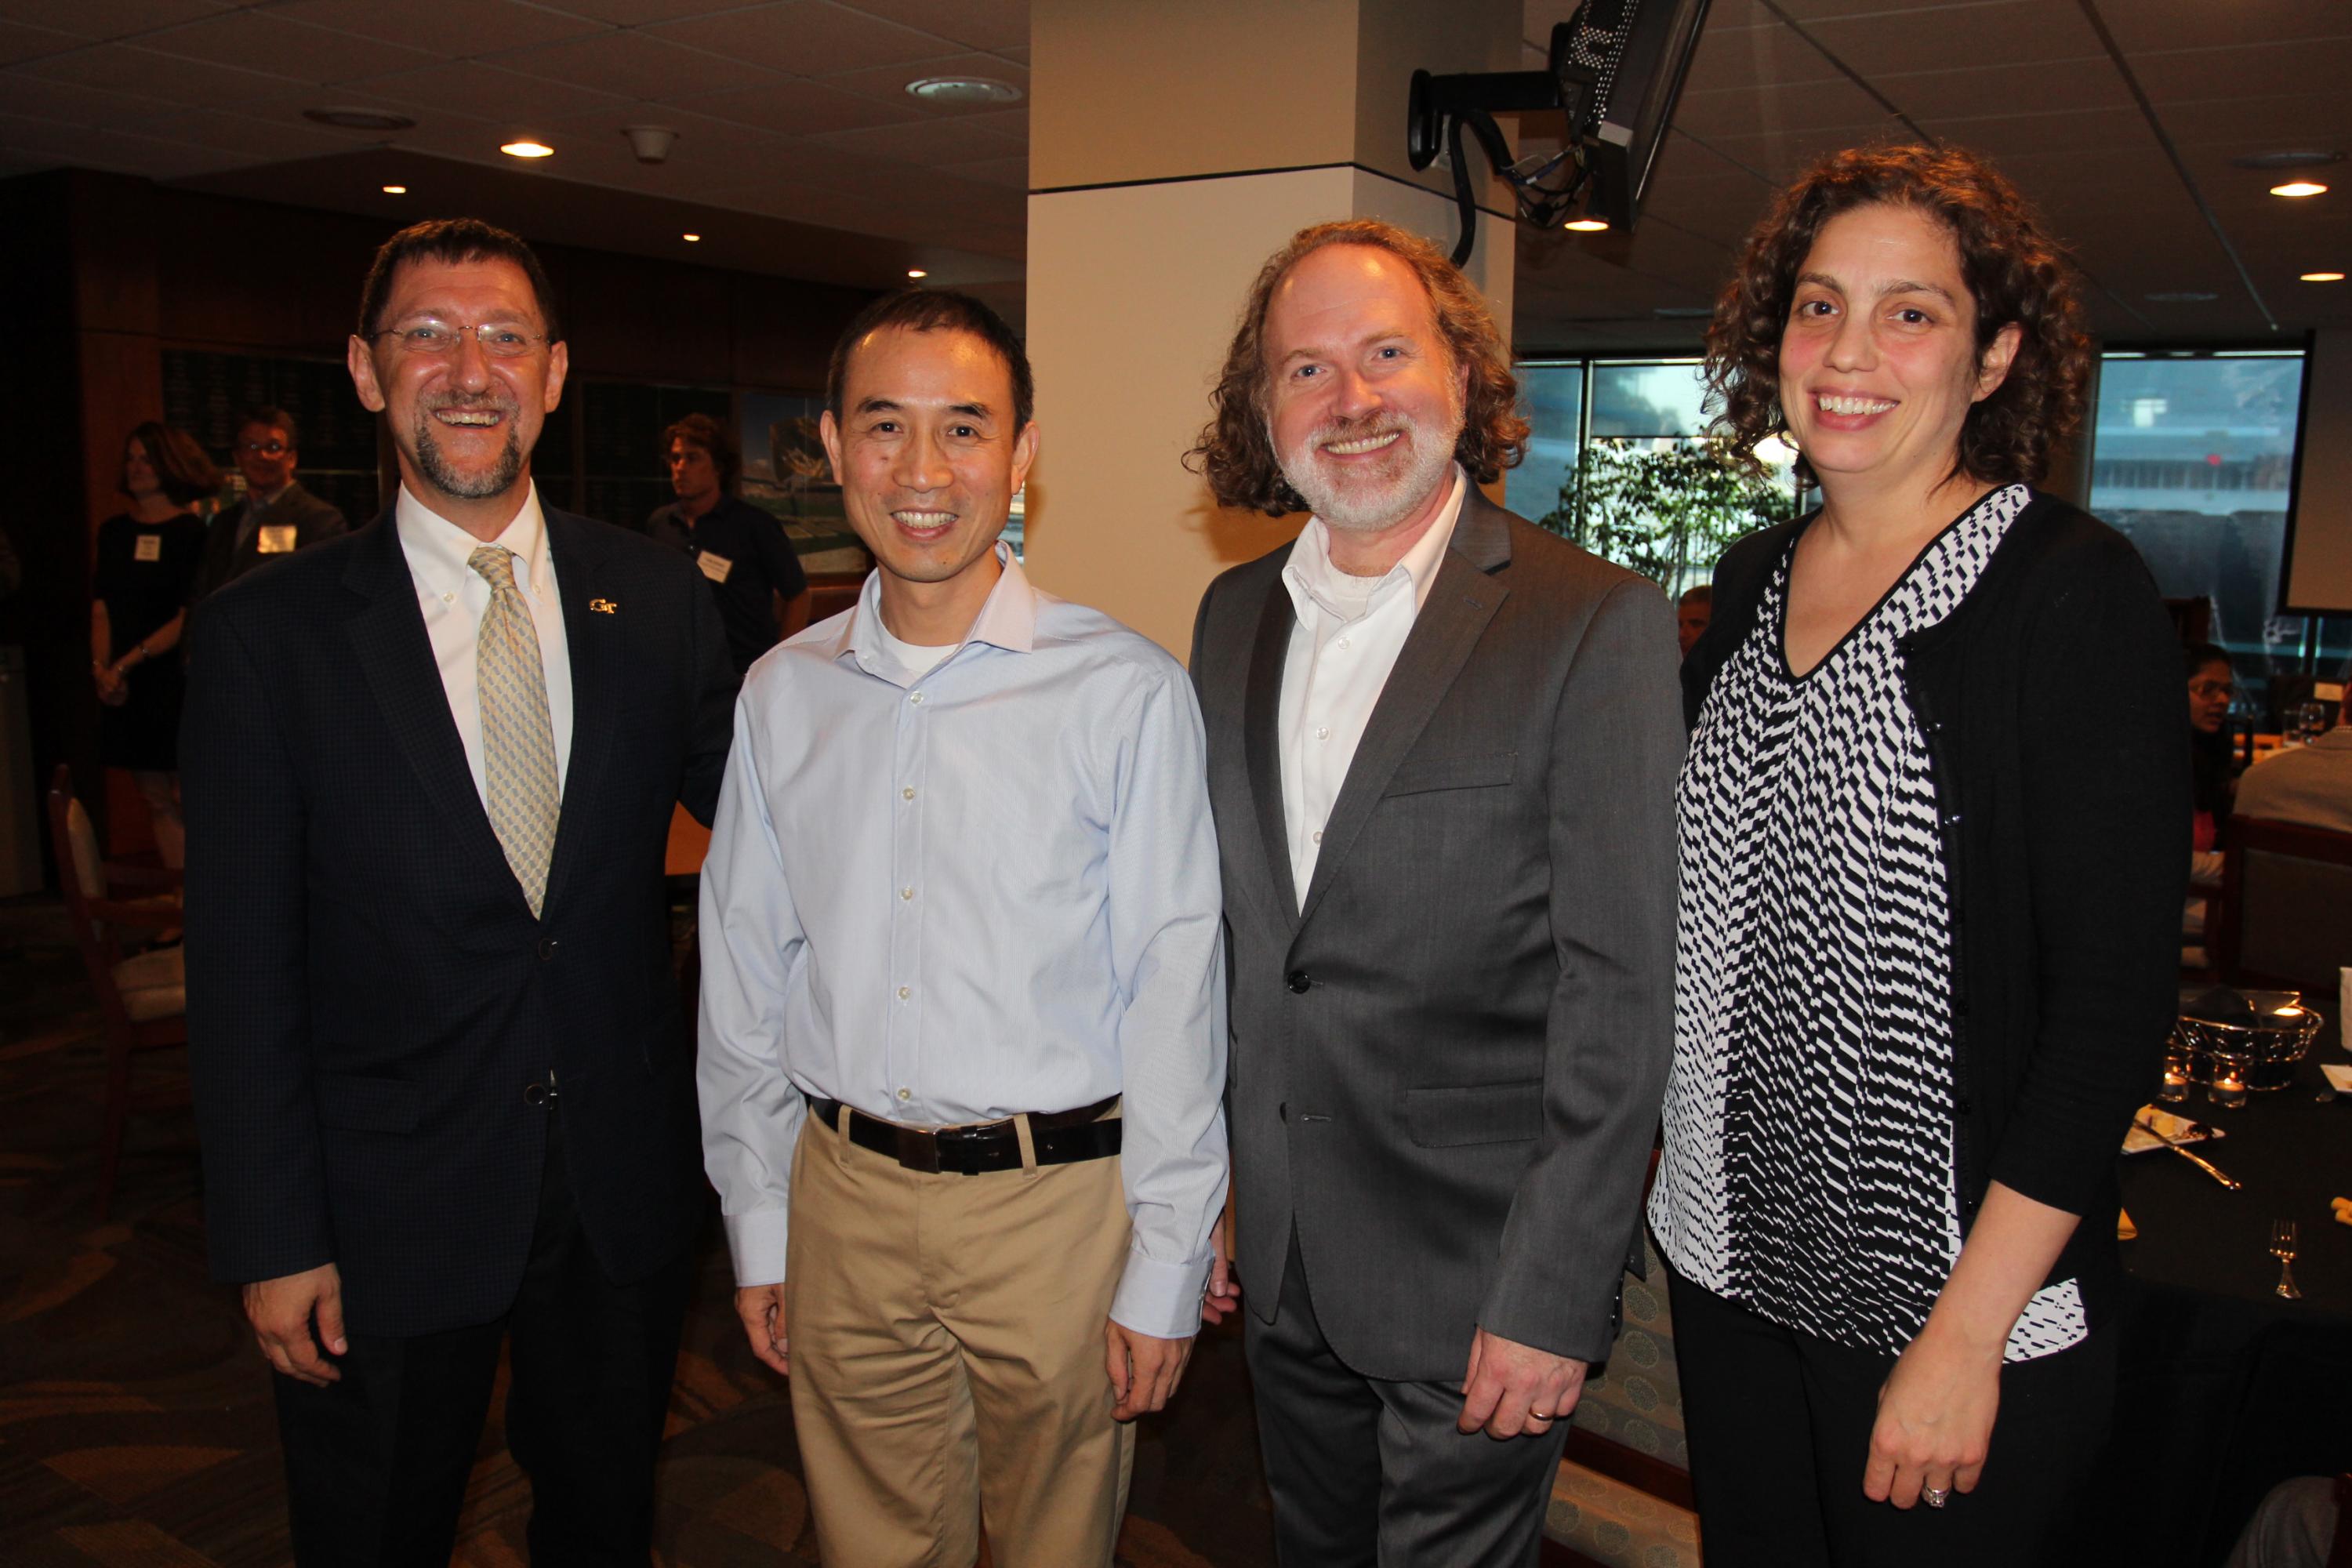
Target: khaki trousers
column 946, row 1334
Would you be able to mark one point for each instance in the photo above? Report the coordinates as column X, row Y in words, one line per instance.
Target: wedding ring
column 1537, row 1416
column 1935, row 1497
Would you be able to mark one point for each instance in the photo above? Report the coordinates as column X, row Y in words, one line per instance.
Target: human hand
column 113, row 689
column 1144, row 1369
column 1513, row 1390
column 1224, row 1294
column 761, row 1307
column 1935, row 1419
column 281, row 1310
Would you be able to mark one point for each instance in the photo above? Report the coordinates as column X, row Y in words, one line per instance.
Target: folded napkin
column 2340, row 1077
column 2179, row 1129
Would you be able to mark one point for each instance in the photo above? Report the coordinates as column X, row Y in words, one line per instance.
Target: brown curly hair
column 2016, row 272
column 1235, row 451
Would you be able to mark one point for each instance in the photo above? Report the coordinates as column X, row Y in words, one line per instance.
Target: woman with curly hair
column 1933, row 827
column 146, row 569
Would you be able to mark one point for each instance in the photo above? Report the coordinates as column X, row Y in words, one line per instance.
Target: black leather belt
column 1061, row 1137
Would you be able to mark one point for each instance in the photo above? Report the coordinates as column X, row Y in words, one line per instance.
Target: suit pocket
column 368, row 1104
column 1479, row 771
column 1474, row 1113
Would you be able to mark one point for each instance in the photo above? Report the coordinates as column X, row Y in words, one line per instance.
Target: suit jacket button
column 546, row 948
column 1299, row 980
column 534, row 1094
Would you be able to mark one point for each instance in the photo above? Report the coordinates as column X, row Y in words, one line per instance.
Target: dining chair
column 2285, row 917
column 142, row 996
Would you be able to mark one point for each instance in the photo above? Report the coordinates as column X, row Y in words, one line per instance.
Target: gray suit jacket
column 1447, row 1065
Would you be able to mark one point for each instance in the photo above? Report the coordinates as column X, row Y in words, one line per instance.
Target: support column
column 1173, row 149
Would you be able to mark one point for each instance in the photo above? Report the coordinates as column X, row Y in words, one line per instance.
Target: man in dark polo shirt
column 762, row 591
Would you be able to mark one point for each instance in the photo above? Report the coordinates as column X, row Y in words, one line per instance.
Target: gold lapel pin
column 604, row 606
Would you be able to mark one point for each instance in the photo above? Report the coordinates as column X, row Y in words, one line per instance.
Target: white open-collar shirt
column 1343, row 645
column 454, row 597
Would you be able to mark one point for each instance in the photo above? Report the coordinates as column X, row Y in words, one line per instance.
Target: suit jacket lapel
column 1461, row 602
column 591, row 642
column 1261, row 740
column 396, row 658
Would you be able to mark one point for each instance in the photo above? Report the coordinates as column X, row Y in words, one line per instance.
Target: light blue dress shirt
column 949, row 898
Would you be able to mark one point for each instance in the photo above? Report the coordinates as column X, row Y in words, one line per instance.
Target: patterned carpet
column 136, row 1426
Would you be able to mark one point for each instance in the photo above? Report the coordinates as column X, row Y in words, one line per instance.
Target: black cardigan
column 2051, row 704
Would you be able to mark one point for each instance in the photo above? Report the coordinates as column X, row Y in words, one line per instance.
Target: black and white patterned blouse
column 1809, row 1170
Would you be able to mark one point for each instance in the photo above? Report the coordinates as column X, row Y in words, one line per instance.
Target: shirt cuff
column 1162, row 1299
column 756, row 1240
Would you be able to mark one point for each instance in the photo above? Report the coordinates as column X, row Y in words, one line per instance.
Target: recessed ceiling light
column 1586, row 226
column 2300, row 189
column 2181, row 297
column 528, row 150
column 2291, row 158
column 916, row 272
column 963, row 89
column 396, row 189
column 2323, row 277
column 361, row 118
column 691, row 238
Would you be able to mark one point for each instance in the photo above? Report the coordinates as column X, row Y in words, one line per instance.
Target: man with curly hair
column 1442, row 757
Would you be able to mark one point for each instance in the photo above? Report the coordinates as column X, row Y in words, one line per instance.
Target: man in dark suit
column 276, row 518
column 1442, row 756
column 443, row 1100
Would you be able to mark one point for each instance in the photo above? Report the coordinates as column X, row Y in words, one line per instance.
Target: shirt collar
column 440, row 552
column 1311, row 578
column 1007, row 620
column 255, row 501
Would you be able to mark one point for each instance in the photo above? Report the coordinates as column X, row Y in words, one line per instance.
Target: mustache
column 1357, row 429
column 470, row 404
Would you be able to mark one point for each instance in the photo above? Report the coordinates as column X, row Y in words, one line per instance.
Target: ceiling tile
column 1781, row 155
column 489, row 25
column 254, row 140
column 2082, row 130
column 975, row 23
column 803, row 108
column 479, row 92
column 2271, row 123
column 637, row 65
column 259, row 40
column 1717, row 116
column 111, row 18
column 1012, row 171
column 128, row 68
column 72, row 102
column 889, row 82
column 926, row 141
column 806, row 38
column 2306, row 68
column 19, row 42
column 1978, row 91
column 1744, row 58
column 156, row 157
column 2006, row 32
column 2145, row 24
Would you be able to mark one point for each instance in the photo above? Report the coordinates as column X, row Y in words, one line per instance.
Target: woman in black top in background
column 1933, row 827
column 146, row 566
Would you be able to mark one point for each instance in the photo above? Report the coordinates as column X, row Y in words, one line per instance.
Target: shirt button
column 906, row 794
column 1299, row 980
column 1322, row 731
column 1318, row 836
column 905, row 991
column 905, row 1094
column 448, row 598
column 906, row 893
column 917, row 699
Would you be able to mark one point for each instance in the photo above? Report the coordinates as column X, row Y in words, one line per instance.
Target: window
column 1619, row 461
column 2191, row 456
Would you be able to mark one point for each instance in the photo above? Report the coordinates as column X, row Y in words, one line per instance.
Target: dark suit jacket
column 1446, row 1068
column 314, row 521
column 368, row 993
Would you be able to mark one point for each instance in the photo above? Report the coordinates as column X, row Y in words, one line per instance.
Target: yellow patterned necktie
column 517, row 740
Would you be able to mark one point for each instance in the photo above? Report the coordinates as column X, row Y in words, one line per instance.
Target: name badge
column 147, row 547
column 274, row 539
column 714, row 567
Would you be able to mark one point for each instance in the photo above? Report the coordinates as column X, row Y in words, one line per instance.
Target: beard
column 495, row 481
column 1384, row 492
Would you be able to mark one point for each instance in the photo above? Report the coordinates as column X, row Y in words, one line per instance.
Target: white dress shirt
column 454, row 597
column 1343, row 645
column 949, row 897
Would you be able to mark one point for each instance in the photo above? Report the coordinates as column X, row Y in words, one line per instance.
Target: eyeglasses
column 2210, row 689
column 500, row 341
column 267, row 448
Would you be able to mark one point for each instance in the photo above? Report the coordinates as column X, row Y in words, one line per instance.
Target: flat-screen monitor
column 2315, row 577
column 1635, row 54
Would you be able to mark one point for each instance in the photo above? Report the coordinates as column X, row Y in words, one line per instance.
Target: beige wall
column 1133, row 294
